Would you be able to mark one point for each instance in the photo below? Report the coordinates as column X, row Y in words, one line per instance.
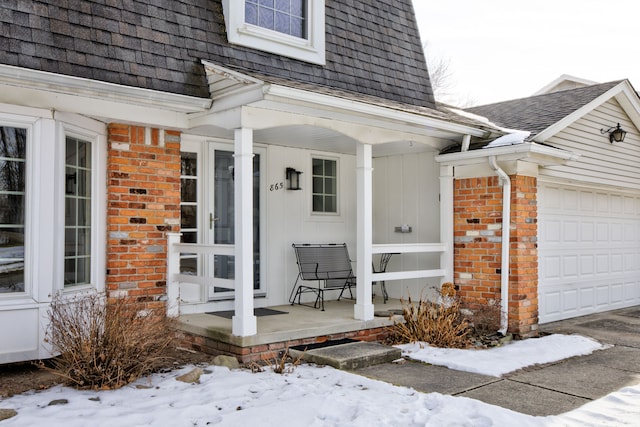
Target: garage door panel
column 630, row 232
column 586, row 199
column 602, row 294
column 586, row 265
column 552, row 232
column 570, row 266
column 602, row 264
column 570, row 231
column 587, row 233
column 552, row 301
column 631, row 205
column 587, row 298
column 631, row 291
column 589, row 251
column 602, row 232
column 616, row 293
column 617, row 203
column 551, row 266
column 616, row 232
column 570, row 301
column 617, row 263
column 602, row 202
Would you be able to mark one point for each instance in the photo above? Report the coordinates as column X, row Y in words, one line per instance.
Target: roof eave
column 359, row 107
column 624, row 94
column 99, row 90
column 532, row 152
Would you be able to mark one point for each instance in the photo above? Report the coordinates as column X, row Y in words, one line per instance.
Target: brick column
column 523, row 281
column 477, row 247
column 143, row 192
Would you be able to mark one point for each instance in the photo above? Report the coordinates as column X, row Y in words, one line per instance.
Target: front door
column 208, row 217
column 221, row 217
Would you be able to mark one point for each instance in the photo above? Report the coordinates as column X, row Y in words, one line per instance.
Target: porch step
column 348, row 356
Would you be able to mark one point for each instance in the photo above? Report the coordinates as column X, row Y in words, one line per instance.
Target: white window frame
column 338, row 192
column 94, row 132
column 44, row 204
column 311, row 49
column 32, row 127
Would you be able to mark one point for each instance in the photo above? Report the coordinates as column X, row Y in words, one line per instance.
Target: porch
column 295, row 325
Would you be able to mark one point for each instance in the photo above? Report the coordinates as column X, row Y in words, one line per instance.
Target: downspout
column 505, row 181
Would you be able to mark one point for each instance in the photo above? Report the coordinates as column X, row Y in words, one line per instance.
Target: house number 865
column 277, row 186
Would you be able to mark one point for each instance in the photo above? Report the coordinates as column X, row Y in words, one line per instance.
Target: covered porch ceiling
column 317, row 138
column 296, row 116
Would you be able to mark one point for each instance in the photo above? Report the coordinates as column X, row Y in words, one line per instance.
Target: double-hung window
column 292, row 28
column 324, row 186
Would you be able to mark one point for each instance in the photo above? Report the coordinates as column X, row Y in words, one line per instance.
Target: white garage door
column 589, row 251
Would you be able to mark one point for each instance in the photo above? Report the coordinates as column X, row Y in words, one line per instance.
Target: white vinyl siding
column 599, row 162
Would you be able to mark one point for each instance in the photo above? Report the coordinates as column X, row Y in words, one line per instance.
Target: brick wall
column 269, row 352
column 143, row 196
column 478, row 246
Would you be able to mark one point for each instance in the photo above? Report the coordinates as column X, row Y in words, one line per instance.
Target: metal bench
column 327, row 264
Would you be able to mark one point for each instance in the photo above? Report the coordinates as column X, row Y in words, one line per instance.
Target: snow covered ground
column 319, row 396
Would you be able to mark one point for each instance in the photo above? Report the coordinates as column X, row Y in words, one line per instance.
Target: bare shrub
column 439, row 324
column 105, row 346
column 485, row 318
column 284, row 362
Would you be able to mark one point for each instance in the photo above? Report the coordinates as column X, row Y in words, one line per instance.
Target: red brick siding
column 478, row 245
column 143, row 196
column 523, row 280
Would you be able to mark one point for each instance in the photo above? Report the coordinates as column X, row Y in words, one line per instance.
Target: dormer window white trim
column 309, row 48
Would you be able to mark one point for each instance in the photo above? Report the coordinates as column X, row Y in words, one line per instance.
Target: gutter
column 505, row 181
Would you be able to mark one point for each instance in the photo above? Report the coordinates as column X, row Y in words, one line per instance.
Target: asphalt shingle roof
column 537, row 113
column 372, row 46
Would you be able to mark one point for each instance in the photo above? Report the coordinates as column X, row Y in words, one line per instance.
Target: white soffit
column 93, row 89
column 532, row 152
column 224, row 81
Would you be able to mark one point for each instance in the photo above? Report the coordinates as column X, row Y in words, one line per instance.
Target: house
column 574, row 210
column 149, row 150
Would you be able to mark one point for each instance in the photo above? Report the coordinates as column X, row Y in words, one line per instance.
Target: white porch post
column 446, row 221
column 173, row 268
column 244, row 322
column 363, row 309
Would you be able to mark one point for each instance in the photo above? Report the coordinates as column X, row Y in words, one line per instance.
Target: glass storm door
column 221, row 219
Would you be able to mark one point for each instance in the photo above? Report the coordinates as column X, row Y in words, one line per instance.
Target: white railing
column 174, row 277
column 409, row 248
column 175, row 249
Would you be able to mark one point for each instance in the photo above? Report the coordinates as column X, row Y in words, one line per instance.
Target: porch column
column 244, row 322
column 363, row 309
column 446, row 221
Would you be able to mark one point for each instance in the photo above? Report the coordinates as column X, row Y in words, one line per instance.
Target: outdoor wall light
column 616, row 133
column 293, row 179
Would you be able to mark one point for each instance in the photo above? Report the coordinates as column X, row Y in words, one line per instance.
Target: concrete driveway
column 541, row 390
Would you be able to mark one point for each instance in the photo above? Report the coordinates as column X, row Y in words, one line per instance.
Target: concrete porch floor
column 299, row 323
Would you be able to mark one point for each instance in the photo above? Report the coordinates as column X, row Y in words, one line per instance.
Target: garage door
column 589, row 251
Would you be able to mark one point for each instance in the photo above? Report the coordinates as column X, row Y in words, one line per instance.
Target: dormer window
column 283, row 16
column 292, row 28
